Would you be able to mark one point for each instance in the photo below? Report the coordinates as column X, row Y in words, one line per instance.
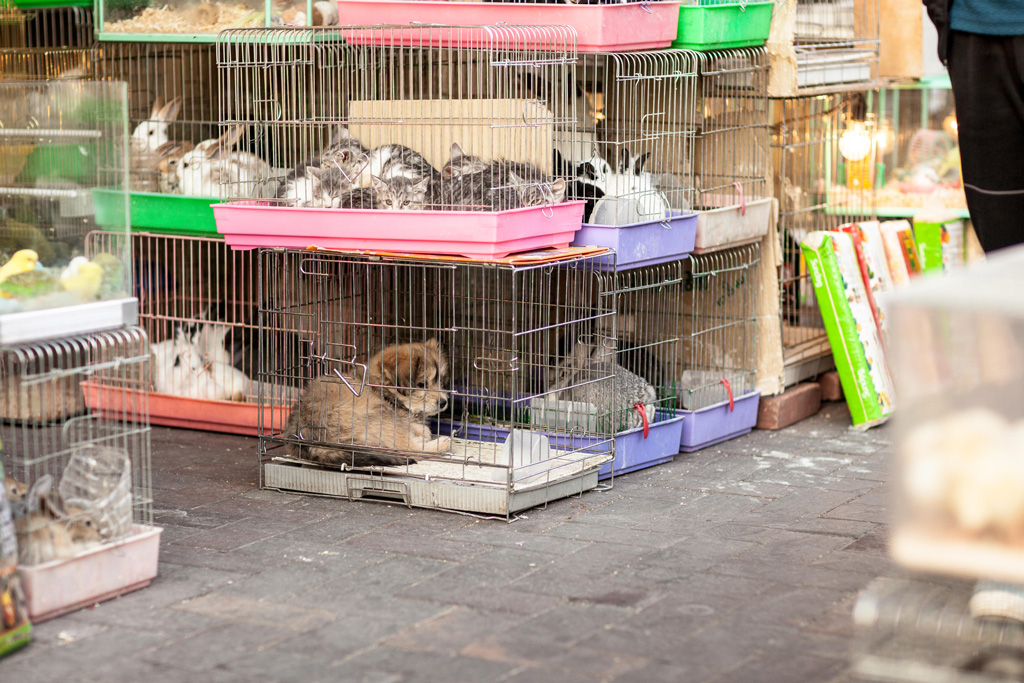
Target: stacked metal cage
column 716, row 390
column 630, row 153
column 823, row 151
column 836, row 43
column 201, row 21
column 732, row 166
column 480, row 387
column 463, row 99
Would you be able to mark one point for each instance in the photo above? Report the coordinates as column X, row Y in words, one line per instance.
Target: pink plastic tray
column 92, row 576
column 599, row 28
column 473, row 234
column 227, row 417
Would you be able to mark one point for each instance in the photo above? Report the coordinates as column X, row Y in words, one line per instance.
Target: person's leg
column 987, row 73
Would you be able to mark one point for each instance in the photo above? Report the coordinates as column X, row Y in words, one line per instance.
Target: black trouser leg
column 987, row 73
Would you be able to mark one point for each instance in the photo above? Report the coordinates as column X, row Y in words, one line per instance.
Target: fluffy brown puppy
column 404, row 385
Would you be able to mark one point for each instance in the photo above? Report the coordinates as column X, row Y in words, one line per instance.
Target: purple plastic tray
column 715, row 424
column 642, row 244
column 632, row 451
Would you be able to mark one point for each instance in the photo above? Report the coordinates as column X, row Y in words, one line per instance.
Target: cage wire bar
column 332, row 98
column 172, row 106
column 818, row 189
column 733, row 159
column 50, row 27
column 718, row 353
column 630, row 153
column 47, row 429
column 837, row 43
column 522, row 349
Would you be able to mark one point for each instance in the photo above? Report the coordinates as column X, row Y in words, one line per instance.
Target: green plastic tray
column 719, row 27
column 154, row 212
column 39, row 4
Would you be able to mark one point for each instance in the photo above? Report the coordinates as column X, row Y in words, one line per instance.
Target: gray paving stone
column 218, row 646
column 425, row 666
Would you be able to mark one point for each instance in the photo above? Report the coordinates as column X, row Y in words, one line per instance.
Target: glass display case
column 918, row 151
column 202, row 20
column 957, row 354
column 59, row 140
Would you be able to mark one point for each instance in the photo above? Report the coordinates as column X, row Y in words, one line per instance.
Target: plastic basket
column 98, row 479
column 723, row 26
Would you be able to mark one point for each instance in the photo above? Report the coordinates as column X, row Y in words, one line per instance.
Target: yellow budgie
column 22, row 262
column 86, row 281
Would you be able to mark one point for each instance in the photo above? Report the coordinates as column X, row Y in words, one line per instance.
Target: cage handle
column 639, row 407
column 362, row 383
column 743, row 199
column 728, row 389
column 377, row 488
column 512, row 366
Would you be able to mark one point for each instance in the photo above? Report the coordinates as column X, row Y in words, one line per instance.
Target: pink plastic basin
column 473, row 234
column 599, row 28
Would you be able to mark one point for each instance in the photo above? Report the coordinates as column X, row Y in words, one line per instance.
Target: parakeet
column 29, row 284
column 86, row 282
column 113, row 275
column 73, row 267
column 22, row 262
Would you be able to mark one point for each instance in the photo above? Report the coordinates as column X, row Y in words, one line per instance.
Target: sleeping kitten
column 389, row 162
column 475, row 184
column 397, row 194
column 344, row 153
column 315, row 187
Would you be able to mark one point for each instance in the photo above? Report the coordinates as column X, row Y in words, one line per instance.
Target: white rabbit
column 213, row 170
column 152, row 133
column 176, row 364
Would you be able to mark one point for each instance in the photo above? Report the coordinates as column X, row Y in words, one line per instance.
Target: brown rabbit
column 170, row 155
column 46, row 531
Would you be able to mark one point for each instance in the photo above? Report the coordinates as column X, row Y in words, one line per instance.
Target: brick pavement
column 736, row 563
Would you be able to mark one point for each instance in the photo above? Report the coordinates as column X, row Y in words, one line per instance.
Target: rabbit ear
column 225, row 142
column 638, row 165
column 40, row 487
column 158, row 104
column 169, row 112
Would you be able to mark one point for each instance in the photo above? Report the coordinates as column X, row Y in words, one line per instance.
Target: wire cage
column 172, row 109
column 732, row 167
column 836, row 42
column 197, row 301
column 59, row 139
column 479, row 387
column 918, row 149
column 82, row 476
column 644, row 340
column 922, row 629
column 629, row 155
column 201, row 20
column 718, row 350
column 823, row 151
column 50, row 27
column 367, row 118
column 32, row 64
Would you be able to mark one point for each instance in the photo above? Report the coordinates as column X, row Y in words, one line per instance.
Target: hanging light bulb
column 949, row 125
column 855, row 142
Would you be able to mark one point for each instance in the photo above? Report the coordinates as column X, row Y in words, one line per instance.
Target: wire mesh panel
column 732, row 152
column 492, row 375
column 51, row 27
column 836, row 41
column 198, row 304
column 823, row 153
column 172, row 107
column 83, row 475
column 29, row 64
column 644, row 342
column 367, row 118
column 630, row 153
column 719, row 343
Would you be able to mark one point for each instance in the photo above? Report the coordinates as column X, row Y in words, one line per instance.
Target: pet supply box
column 852, row 332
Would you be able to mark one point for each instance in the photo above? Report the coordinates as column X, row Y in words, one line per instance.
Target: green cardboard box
column 850, row 325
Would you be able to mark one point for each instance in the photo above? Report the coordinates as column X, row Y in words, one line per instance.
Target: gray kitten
column 344, row 153
column 310, row 185
column 397, row 194
column 573, row 380
column 470, row 183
